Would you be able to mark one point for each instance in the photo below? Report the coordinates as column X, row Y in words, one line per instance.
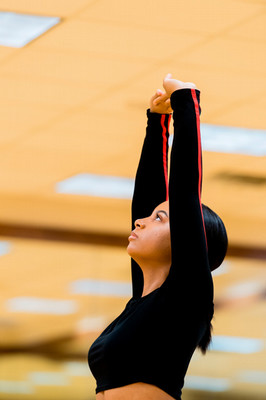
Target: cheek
column 160, row 243
column 165, row 243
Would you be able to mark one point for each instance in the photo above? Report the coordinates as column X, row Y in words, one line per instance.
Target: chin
column 130, row 250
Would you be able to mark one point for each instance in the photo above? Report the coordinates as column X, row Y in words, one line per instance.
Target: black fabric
column 153, row 339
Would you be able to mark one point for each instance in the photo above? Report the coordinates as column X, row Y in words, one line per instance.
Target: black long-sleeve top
column 153, row 339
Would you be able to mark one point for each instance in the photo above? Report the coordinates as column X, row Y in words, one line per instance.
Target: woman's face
column 150, row 240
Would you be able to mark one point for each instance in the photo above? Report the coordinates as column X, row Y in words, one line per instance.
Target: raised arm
column 151, row 183
column 190, row 273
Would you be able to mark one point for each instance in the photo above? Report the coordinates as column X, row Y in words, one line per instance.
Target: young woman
column 175, row 243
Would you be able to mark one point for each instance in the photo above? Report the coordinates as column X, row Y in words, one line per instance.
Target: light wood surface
column 74, row 101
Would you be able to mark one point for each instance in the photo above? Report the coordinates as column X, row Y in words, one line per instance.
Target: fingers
column 157, row 94
column 190, row 85
column 160, row 103
column 166, row 78
column 160, row 99
column 171, row 84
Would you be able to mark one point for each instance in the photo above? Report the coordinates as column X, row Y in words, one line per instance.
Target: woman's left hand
column 160, row 103
column 171, row 85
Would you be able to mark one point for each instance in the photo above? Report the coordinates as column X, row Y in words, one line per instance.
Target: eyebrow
column 162, row 211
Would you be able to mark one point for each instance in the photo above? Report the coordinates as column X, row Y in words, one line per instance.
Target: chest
column 133, row 331
column 133, row 335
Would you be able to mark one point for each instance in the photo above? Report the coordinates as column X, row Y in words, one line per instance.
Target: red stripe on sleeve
column 196, row 104
column 165, row 153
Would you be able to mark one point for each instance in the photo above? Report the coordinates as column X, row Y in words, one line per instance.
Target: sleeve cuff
column 155, row 116
column 178, row 97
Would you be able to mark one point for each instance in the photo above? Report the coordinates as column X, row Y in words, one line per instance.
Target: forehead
column 163, row 206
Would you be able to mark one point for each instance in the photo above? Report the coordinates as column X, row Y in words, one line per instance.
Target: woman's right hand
column 160, row 103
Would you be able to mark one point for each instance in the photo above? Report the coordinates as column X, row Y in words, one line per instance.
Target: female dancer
column 175, row 243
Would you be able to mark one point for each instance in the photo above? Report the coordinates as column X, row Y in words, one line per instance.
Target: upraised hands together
column 160, row 101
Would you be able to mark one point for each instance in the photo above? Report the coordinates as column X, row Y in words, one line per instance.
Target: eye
column 158, row 218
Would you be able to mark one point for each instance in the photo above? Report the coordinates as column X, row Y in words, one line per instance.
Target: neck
column 154, row 276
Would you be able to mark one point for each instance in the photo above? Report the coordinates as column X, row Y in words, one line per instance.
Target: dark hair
column 217, row 241
column 216, row 237
column 206, row 339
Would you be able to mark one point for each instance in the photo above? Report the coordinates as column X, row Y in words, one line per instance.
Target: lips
column 133, row 236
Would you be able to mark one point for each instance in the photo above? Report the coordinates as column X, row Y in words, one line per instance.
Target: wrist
column 156, row 112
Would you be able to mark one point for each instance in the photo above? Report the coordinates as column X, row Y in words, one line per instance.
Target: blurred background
column 75, row 82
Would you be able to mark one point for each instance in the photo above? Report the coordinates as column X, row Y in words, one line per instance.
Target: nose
column 139, row 223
